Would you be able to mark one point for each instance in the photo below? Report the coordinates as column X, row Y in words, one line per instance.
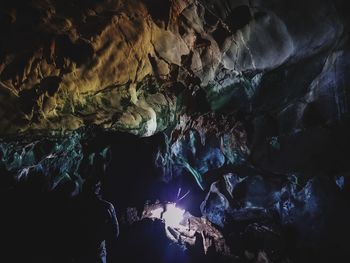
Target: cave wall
column 65, row 64
column 242, row 104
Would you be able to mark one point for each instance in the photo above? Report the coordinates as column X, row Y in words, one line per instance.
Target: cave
column 174, row 131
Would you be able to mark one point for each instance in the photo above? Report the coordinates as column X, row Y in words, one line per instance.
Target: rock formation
column 241, row 105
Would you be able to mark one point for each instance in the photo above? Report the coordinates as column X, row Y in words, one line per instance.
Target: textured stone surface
column 65, row 64
column 237, row 110
column 256, row 211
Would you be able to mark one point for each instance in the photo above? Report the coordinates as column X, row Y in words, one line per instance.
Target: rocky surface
column 188, row 230
column 116, row 64
column 236, row 110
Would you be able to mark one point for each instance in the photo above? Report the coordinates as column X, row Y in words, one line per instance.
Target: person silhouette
column 99, row 225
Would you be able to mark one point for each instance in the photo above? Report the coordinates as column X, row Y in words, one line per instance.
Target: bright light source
column 157, row 213
column 173, row 215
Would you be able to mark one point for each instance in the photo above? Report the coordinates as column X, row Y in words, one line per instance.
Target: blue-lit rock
column 311, row 210
column 220, row 200
column 235, row 109
column 58, row 159
column 198, row 146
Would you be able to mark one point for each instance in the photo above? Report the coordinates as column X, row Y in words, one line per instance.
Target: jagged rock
column 210, row 87
column 235, row 198
column 74, row 63
column 188, row 230
column 300, row 124
column 200, row 144
column 259, row 205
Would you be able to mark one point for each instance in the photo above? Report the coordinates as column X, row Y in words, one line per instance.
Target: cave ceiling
column 135, row 66
column 237, row 111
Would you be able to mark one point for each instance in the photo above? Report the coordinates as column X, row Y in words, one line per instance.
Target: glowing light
column 174, row 218
column 173, row 215
column 157, row 213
